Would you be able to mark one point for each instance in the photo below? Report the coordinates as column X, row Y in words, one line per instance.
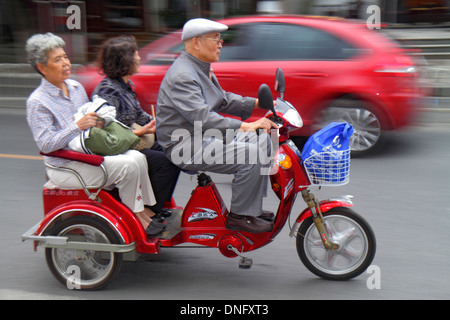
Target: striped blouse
column 50, row 116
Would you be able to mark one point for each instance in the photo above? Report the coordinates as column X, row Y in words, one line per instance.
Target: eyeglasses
column 217, row 40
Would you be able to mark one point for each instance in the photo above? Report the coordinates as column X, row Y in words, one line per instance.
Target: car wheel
column 368, row 136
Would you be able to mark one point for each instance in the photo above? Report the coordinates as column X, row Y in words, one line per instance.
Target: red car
column 336, row 70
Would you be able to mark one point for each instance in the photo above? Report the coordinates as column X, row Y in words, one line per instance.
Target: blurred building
column 145, row 19
column 91, row 21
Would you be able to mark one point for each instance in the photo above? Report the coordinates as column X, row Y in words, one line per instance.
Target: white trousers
column 128, row 172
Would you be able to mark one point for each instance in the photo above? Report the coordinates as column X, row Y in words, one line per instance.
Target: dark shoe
column 248, row 223
column 267, row 215
column 155, row 229
column 162, row 215
column 158, row 224
column 166, row 213
column 158, row 218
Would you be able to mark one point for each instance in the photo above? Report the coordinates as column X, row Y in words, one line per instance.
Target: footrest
column 245, row 263
column 173, row 226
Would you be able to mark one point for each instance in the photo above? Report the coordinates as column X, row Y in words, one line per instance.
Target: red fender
column 85, row 208
column 126, row 225
column 325, row 206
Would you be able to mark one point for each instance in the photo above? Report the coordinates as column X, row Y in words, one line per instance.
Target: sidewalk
column 17, row 81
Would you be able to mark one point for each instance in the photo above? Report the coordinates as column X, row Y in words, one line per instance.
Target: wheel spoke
column 94, row 266
column 351, row 253
column 351, row 241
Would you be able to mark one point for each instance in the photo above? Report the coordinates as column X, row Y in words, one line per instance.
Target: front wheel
column 84, row 269
column 355, row 240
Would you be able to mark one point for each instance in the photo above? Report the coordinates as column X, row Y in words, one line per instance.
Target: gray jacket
column 187, row 94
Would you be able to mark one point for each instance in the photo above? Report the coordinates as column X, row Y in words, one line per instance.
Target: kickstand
column 244, row 262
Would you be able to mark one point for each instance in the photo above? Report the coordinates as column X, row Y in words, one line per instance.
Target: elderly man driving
column 191, row 101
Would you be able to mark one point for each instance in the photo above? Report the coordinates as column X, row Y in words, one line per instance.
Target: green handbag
column 115, row 138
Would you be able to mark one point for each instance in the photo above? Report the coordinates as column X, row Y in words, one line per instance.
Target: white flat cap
column 200, row 26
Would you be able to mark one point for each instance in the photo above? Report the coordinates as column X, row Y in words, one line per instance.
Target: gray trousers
column 247, row 157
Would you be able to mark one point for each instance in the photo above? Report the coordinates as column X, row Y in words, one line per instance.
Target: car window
column 273, row 41
column 166, row 58
column 238, row 45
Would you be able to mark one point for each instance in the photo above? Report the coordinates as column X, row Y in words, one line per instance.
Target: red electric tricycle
column 88, row 232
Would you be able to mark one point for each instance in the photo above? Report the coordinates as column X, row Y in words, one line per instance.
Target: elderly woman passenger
column 119, row 60
column 50, row 111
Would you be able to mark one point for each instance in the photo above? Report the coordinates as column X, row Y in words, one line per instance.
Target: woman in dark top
column 119, row 60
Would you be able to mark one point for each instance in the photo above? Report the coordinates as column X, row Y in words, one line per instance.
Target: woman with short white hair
column 50, row 111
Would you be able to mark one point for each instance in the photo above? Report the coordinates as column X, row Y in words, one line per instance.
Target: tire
column 369, row 135
column 356, row 240
column 84, row 269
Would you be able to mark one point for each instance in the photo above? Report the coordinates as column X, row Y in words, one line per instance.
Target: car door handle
column 229, row 75
column 310, row 75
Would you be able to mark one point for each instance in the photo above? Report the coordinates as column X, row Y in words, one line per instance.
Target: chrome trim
column 86, row 188
column 62, row 242
column 30, row 235
column 405, row 70
column 347, row 199
column 294, row 229
column 86, row 211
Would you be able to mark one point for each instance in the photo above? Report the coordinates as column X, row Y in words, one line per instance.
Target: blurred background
column 423, row 27
column 148, row 19
column 393, row 190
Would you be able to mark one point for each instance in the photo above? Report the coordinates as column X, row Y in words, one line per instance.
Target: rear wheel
column 355, row 240
column 84, row 269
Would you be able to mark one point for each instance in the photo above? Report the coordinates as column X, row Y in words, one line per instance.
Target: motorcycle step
column 173, row 225
column 245, row 263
